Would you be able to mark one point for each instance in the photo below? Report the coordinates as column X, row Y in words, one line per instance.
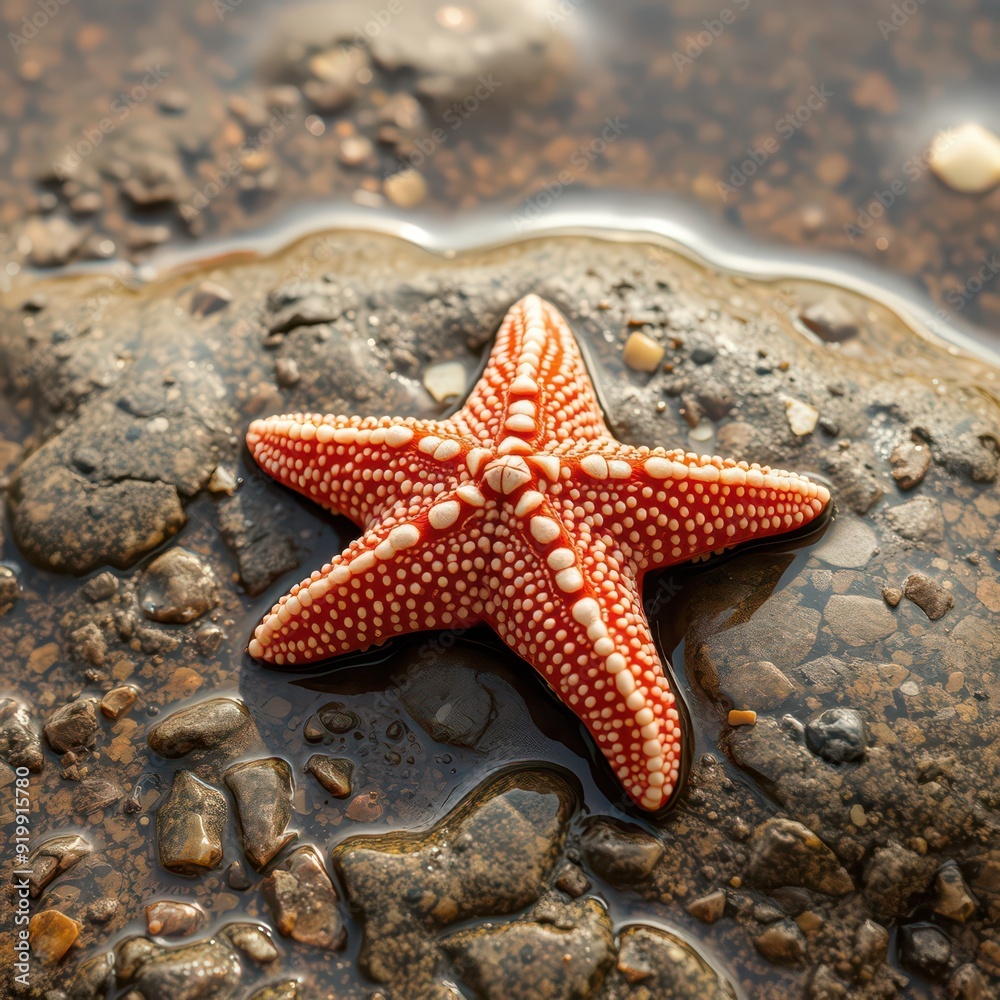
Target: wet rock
column 74, row 725
column 332, row 719
column 88, row 645
column 783, row 852
column 96, row 792
column 859, row 621
column 618, row 853
column 65, row 524
column 173, row 918
column 304, row 901
column 708, row 908
column 19, row 743
column 952, row 897
column 967, row 982
column 830, row 319
column 197, row 971
column 102, row 587
column 237, row 877
column 926, row 949
column 52, row 858
column 118, row 701
column 824, row 985
column 261, row 532
column 562, row 954
column 892, row 596
column 10, row 589
column 93, row 979
column 333, row 773
column 290, row 989
column 572, row 881
column 405, row 888
column 918, row 520
column 838, row 735
column 252, row 941
column 189, row 826
column 661, row 966
column 782, row 943
column 928, row 595
column 449, row 702
column 894, row 878
column 53, row 240
column 216, row 724
column 177, row 587
column 755, row 683
column 263, row 793
column 910, row 461
column 51, row 934
column 848, row 544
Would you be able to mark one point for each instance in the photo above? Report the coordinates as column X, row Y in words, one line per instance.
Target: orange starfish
column 521, row 511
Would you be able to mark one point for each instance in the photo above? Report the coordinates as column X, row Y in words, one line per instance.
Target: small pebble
column 802, row 417
column 892, row 596
column 642, row 353
column 967, row 158
column 118, row 701
column 741, row 717
column 446, row 380
column 407, row 189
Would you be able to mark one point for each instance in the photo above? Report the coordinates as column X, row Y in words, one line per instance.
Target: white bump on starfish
column 428, row 444
column 544, row 529
column 548, row 465
column 475, row 458
column 595, row 465
column 444, row 515
column 524, row 385
column 521, row 423
column 398, row 435
column 446, row 450
column 507, row 474
column 569, row 580
column 561, row 558
column 530, row 500
column 472, row 495
column 513, row 445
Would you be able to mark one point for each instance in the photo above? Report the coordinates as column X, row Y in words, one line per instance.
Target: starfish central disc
column 521, row 511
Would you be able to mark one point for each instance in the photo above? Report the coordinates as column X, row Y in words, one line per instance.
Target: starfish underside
column 524, row 512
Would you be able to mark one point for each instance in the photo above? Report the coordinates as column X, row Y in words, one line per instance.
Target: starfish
column 524, row 512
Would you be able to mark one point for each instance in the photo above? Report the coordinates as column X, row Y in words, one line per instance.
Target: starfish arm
column 356, row 465
column 579, row 621
column 535, row 390
column 669, row 507
column 402, row 575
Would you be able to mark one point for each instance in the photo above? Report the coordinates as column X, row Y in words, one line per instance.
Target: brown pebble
column 742, row 717
column 892, row 596
column 708, row 908
column 172, row 918
column 928, row 595
column 910, row 461
column 118, row 701
column 51, row 934
column 365, row 808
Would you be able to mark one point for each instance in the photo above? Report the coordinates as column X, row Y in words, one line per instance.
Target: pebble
column 572, row 881
column 54, row 857
column 304, row 902
column 333, row 773
column 859, row 621
column 786, row 853
column 355, row 150
column 830, row 319
column 871, row 944
column 893, row 878
column 928, row 595
column 782, row 943
column 708, row 908
column 910, row 461
column 619, row 853
column 209, row 297
column 892, row 596
column 237, row 877
column 448, row 701
column 173, row 918
column 102, row 587
column 967, row 982
column 802, row 417
column 193, row 971
column 189, row 826
column 203, row 727
column 742, row 717
column 407, row 189
column 966, row 158
column 252, row 941
column 838, row 735
column 51, row 934
column 642, row 353
column 918, row 520
column 447, row 380
column 20, row 745
column 10, row 589
column 952, row 896
column 118, row 701
column 286, row 372
column 925, row 948
column 72, row 726
column 177, row 587
column 262, row 790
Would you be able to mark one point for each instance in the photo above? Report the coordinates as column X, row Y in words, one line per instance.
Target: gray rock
column 263, row 793
column 448, row 701
column 333, row 773
column 926, row 949
column 918, row 520
column 910, row 461
column 859, row 621
column 304, row 902
column 203, row 970
column 831, row 320
column 928, row 595
column 96, row 792
column 19, row 742
column 618, row 853
column 967, row 982
column 72, row 726
column 102, row 587
column 177, row 587
column 562, row 954
column 252, row 941
column 209, row 726
column 189, row 826
column 838, row 735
